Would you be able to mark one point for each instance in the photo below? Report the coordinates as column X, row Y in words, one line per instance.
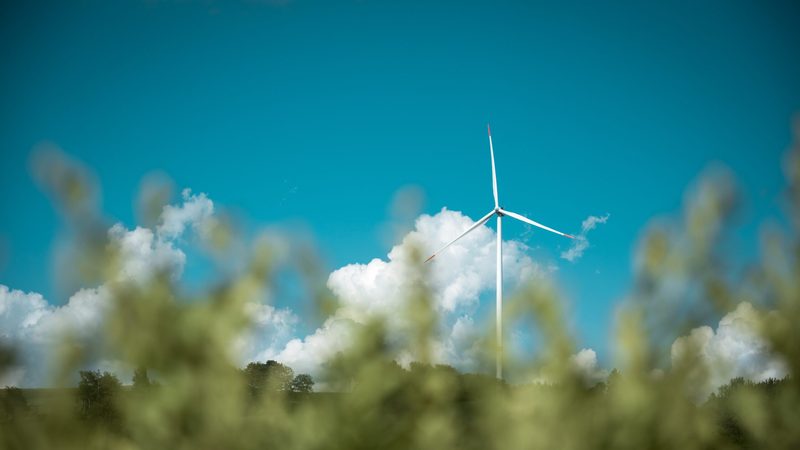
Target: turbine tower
column 499, row 212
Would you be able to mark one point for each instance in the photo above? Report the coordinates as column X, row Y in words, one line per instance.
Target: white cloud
column 36, row 327
column 733, row 350
column 19, row 311
column 270, row 329
column 458, row 275
column 585, row 361
column 309, row 354
column 457, row 278
column 28, row 317
column 143, row 254
column 195, row 212
column 581, row 242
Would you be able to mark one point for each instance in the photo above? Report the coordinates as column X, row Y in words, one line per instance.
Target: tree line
column 98, row 392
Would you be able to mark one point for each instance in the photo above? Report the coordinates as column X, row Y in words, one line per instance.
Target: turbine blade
column 536, row 224
column 494, row 173
column 475, row 225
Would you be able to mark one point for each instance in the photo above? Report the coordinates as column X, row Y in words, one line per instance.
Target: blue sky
column 318, row 112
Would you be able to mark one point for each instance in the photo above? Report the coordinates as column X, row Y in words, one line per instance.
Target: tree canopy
column 97, row 394
column 302, row 383
column 271, row 376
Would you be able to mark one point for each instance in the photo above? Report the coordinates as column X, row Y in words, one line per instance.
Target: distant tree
column 422, row 369
column 271, row 376
column 302, row 383
column 7, row 357
column 97, row 395
column 12, row 404
column 771, row 387
column 613, row 380
column 726, row 404
column 140, row 379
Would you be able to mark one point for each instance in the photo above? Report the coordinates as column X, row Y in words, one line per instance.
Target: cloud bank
column 457, row 279
column 733, row 350
column 35, row 327
column 378, row 289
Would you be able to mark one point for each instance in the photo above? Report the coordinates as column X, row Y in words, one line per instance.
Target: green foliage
column 140, row 379
column 651, row 401
column 302, row 383
column 732, row 406
column 13, row 404
column 98, row 394
column 271, row 376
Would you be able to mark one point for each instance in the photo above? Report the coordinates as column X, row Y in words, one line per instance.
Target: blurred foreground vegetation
column 199, row 398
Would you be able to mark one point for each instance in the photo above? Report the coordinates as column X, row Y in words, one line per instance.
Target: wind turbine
column 499, row 212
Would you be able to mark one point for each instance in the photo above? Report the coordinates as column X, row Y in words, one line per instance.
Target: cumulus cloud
column 195, row 211
column 271, row 328
column 28, row 316
column 584, row 364
column 19, row 311
column 309, row 354
column 581, row 242
column 144, row 253
column 35, row 327
column 585, row 361
column 457, row 278
column 733, row 350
